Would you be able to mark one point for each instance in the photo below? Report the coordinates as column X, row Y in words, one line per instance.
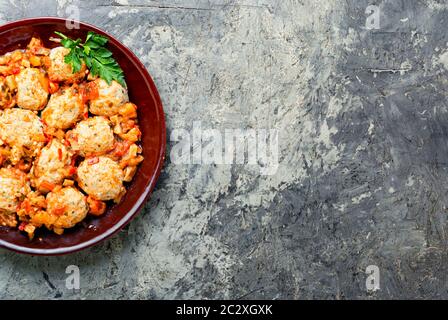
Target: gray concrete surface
column 363, row 129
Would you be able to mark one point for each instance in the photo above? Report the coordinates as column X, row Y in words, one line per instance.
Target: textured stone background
column 363, row 123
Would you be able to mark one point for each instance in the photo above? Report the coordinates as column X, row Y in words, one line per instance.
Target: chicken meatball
column 13, row 187
column 101, row 178
column 51, row 166
column 67, row 206
column 7, row 96
column 64, row 109
column 22, row 131
column 110, row 98
column 59, row 71
column 92, row 136
column 32, row 89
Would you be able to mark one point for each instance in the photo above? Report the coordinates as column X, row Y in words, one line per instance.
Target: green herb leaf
column 108, row 70
column 93, row 53
column 88, row 61
column 63, row 36
column 101, row 40
column 103, row 53
column 74, row 58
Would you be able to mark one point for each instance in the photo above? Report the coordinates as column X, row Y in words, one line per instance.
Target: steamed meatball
column 64, row 109
column 101, row 178
column 51, row 166
column 67, row 206
column 92, row 136
column 110, row 98
column 32, row 89
column 59, row 71
column 22, row 131
column 13, row 187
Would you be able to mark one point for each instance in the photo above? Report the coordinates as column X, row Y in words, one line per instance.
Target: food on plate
column 109, row 98
column 66, row 207
column 69, row 136
column 102, row 178
column 52, row 166
column 65, row 108
column 13, row 187
column 59, row 71
column 7, row 86
column 21, row 133
column 92, row 136
column 32, row 89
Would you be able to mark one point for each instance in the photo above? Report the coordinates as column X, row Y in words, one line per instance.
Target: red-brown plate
column 143, row 93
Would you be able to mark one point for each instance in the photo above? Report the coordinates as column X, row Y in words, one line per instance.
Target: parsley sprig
column 93, row 53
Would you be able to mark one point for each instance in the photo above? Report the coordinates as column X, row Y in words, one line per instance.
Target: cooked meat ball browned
column 101, row 177
column 110, row 98
column 51, row 166
column 59, row 71
column 64, row 109
column 92, row 136
column 68, row 206
column 23, row 131
column 32, row 89
column 13, row 187
column 7, row 86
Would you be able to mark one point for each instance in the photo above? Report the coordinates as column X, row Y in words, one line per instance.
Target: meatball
column 59, row 71
column 32, row 89
column 22, row 131
column 51, row 166
column 13, row 187
column 101, row 178
column 7, row 97
column 110, row 98
column 64, row 109
column 92, row 136
column 67, row 206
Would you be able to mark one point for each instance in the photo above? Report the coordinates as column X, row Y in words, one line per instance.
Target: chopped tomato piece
column 89, row 92
column 22, row 226
column 121, row 148
column 53, row 87
column 26, row 205
column 47, row 185
column 97, row 207
column 59, row 210
column 15, row 70
column 60, row 154
column 72, row 170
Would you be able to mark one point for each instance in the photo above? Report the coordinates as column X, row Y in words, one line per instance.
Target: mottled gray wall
column 363, row 124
